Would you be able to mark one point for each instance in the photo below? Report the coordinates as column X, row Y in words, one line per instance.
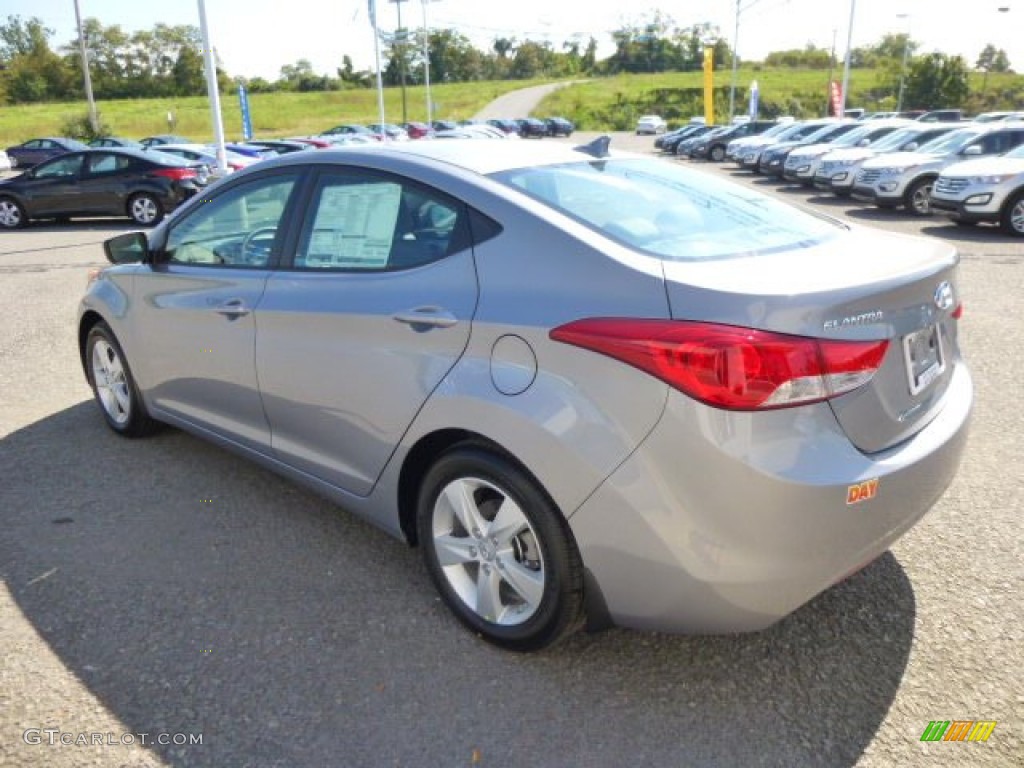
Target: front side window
column 238, row 228
column 375, row 223
column 64, row 167
column 669, row 212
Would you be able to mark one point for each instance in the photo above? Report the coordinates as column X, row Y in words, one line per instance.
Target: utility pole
column 93, row 120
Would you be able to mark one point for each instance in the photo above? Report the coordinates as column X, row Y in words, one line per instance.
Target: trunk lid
column 861, row 286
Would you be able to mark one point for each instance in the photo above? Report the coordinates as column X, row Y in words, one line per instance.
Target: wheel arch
column 89, row 320
column 1011, row 199
column 421, row 457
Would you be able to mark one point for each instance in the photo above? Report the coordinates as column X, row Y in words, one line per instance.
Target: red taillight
column 958, row 312
column 728, row 366
column 235, row 166
column 178, row 174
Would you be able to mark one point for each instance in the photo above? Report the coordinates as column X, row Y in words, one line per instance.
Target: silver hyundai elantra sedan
column 592, row 387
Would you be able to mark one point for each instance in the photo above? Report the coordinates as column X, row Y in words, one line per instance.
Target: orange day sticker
column 862, row 491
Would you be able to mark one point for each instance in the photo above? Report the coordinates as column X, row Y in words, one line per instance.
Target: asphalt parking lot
column 167, row 588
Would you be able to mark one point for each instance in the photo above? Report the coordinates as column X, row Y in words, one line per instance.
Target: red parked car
column 418, row 130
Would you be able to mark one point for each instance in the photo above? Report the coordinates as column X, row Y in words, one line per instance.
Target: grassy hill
column 612, row 103
column 273, row 114
column 616, row 103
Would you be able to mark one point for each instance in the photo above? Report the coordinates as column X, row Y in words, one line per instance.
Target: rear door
column 102, row 187
column 372, row 315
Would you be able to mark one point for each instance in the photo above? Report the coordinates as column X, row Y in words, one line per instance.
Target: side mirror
column 130, row 248
column 863, row 142
column 974, row 149
column 910, row 147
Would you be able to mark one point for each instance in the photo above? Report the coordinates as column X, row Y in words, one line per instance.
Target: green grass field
column 273, row 114
column 612, row 103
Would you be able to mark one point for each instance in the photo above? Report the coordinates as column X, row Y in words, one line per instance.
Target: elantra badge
column 863, row 319
column 944, row 295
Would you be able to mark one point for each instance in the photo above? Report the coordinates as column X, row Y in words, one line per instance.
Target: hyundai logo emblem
column 944, row 295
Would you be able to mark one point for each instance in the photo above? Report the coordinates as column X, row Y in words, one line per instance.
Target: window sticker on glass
column 354, row 226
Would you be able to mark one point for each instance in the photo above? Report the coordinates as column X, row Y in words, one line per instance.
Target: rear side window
column 104, row 163
column 359, row 222
column 668, row 212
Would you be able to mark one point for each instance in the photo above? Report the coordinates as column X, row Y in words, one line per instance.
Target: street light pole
column 735, row 62
column 426, row 63
column 93, row 120
column 903, row 67
column 400, row 39
column 212, row 90
column 846, row 65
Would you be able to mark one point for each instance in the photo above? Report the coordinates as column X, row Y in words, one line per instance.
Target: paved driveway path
column 518, row 103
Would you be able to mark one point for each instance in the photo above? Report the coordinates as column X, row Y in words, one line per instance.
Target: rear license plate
column 924, row 356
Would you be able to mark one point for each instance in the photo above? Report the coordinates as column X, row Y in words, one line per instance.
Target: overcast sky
column 257, row 37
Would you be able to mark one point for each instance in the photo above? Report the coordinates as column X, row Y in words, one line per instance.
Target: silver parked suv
column 906, row 179
column 991, row 189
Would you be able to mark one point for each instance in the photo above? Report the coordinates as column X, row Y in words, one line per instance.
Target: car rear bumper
column 725, row 522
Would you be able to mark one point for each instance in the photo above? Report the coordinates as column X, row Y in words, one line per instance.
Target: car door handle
column 433, row 317
column 232, row 308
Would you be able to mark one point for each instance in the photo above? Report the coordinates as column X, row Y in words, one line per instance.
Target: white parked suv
column 840, row 167
column 906, row 178
column 650, row 124
column 991, row 189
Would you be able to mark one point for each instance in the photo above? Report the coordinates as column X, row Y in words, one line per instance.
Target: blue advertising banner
column 243, row 101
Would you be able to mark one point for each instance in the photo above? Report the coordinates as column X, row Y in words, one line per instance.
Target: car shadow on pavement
column 873, row 213
column 192, row 592
column 83, row 225
column 981, row 233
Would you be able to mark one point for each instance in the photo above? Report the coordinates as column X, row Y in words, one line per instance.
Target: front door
column 195, row 308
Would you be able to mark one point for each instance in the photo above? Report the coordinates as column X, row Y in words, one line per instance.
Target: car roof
column 475, row 155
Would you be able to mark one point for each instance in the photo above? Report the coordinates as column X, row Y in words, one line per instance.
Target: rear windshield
column 668, row 211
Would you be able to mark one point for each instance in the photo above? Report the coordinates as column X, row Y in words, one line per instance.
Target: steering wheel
column 254, row 251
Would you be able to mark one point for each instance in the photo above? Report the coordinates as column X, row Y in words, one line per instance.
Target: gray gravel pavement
column 167, row 587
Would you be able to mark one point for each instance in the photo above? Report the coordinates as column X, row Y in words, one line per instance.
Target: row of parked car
column 148, row 178
column 971, row 171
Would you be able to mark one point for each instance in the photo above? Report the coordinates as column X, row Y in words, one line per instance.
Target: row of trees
column 164, row 61
column 167, row 61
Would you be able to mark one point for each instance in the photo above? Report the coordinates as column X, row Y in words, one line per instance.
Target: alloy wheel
column 487, row 551
column 112, row 386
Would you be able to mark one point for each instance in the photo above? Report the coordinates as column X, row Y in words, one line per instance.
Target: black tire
column 1012, row 219
column 532, row 545
column 12, row 214
column 113, row 385
column 915, row 200
column 144, row 209
column 717, row 154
